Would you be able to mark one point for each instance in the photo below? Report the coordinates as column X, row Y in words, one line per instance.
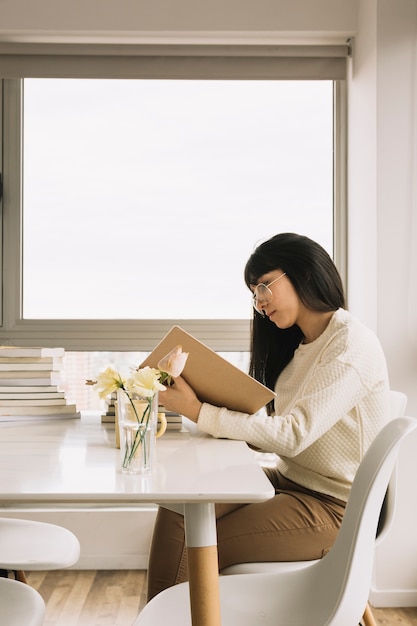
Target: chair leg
column 21, row 576
column 368, row 619
column 17, row 575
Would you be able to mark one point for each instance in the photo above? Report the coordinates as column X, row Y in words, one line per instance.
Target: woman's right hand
column 181, row 398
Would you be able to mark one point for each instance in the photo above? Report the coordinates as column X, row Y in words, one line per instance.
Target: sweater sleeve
column 322, row 395
column 322, row 405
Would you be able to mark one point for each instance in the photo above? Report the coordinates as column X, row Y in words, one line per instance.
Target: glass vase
column 137, row 417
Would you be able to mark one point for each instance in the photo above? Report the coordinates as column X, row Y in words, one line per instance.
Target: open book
column 215, row 380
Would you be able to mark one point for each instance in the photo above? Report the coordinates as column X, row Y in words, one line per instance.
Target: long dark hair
column 317, row 282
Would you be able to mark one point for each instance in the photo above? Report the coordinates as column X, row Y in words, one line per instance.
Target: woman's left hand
column 181, row 398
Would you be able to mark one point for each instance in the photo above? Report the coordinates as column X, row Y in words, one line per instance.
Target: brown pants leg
column 295, row 525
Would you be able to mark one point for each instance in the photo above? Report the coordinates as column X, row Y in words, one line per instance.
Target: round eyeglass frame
column 263, row 295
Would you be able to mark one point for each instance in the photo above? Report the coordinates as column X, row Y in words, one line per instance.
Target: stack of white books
column 109, row 417
column 174, row 420
column 29, row 384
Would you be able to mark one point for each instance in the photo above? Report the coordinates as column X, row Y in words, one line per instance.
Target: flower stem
column 140, row 434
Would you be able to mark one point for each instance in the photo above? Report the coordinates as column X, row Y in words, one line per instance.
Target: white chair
column 20, row 605
column 330, row 592
column 30, row 545
column 398, row 403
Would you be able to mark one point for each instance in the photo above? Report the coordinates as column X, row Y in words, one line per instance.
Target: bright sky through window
column 143, row 199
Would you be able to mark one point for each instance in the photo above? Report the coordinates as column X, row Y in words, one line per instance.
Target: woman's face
column 285, row 307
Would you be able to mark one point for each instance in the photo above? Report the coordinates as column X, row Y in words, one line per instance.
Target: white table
column 75, row 461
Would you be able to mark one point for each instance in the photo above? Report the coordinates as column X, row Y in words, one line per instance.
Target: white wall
column 396, row 185
column 382, row 183
column 381, row 157
column 382, row 214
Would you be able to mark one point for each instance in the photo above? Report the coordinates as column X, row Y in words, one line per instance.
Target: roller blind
column 262, row 62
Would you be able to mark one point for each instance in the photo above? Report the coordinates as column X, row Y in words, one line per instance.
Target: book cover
column 13, row 351
column 215, row 380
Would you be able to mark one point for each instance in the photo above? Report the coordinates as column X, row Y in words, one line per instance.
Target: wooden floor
column 114, row 598
column 90, row 598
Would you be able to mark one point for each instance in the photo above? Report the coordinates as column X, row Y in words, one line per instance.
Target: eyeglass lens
column 261, row 295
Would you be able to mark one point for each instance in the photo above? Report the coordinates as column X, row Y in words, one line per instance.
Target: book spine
column 45, row 402
column 31, row 418
column 37, row 390
column 37, row 410
column 29, row 367
column 53, row 395
column 24, row 382
column 30, row 359
column 17, row 351
column 28, row 374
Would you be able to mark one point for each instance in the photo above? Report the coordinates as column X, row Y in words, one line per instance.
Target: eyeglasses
column 262, row 294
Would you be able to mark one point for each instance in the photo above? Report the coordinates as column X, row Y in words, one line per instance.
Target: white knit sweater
column 332, row 399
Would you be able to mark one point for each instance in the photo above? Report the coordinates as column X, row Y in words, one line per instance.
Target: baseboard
column 393, row 598
column 111, row 562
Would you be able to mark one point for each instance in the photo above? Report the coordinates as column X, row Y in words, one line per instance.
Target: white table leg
column 201, row 540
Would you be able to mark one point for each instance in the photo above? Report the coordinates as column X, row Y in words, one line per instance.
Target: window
column 143, row 199
column 133, row 204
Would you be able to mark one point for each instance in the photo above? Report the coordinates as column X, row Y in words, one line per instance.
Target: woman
column 330, row 377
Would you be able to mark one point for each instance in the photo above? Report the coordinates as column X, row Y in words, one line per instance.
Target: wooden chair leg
column 368, row 619
column 21, row 576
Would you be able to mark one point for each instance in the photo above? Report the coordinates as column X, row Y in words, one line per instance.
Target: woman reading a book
column 331, row 383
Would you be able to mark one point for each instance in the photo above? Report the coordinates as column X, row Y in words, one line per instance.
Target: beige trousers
column 295, row 525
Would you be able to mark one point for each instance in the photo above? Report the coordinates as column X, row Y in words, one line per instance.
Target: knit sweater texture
column 332, row 399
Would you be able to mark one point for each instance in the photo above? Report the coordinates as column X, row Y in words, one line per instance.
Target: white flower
column 145, row 382
column 107, row 382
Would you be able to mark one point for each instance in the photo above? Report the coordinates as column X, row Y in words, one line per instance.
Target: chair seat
column 20, row 605
column 265, row 567
column 29, row 545
column 273, row 599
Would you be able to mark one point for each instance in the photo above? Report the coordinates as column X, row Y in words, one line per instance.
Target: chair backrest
column 20, row 605
column 347, row 568
column 398, row 404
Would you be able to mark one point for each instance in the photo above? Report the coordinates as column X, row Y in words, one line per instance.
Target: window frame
column 122, row 335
